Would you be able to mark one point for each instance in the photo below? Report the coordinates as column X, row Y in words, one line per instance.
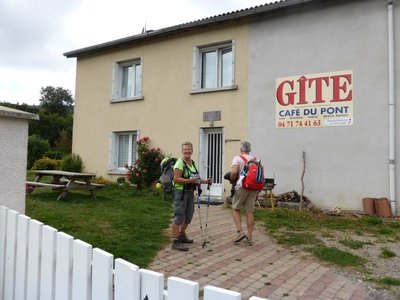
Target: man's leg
column 250, row 225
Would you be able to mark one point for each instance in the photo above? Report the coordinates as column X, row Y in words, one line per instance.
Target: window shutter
column 115, row 81
column 112, row 163
column 233, row 62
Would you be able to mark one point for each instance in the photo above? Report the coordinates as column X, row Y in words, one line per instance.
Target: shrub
column 72, row 163
column 146, row 170
column 46, row 163
column 37, row 147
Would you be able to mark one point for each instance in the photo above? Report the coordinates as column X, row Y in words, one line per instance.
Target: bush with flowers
column 146, row 170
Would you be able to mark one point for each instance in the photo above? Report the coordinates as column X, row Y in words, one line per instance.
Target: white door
column 211, row 160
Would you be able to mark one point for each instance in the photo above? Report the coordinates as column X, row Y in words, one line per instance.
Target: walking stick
column 208, row 205
column 198, row 208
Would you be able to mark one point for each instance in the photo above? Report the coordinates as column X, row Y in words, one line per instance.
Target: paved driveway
column 265, row 269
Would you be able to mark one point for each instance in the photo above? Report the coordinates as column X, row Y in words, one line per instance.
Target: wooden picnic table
column 65, row 182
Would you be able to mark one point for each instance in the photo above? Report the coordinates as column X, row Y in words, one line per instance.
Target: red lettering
column 318, row 87
column 337, row 88
column 302, row 90
column 289, row 95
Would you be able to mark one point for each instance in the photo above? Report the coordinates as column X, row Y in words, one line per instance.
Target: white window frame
column 198, row 65
column 114, row 168
column 117, row 84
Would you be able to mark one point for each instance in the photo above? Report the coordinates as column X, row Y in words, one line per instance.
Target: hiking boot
column 249, row 242
column 240, row 237
column 184, row 239
column 177, row 245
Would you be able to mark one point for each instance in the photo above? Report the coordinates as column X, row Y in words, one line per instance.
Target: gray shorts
column 244, row 198
column 183, row 207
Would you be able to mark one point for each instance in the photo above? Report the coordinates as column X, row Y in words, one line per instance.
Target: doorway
column 211, row 158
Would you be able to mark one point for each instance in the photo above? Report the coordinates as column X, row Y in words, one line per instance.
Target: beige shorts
column 244, row 198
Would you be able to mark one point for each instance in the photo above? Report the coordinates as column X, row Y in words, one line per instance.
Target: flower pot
column 369, row 206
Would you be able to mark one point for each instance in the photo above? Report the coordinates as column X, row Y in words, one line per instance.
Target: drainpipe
column 392, row 146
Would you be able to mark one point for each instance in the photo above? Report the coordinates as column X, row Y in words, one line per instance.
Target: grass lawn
column 127, row 223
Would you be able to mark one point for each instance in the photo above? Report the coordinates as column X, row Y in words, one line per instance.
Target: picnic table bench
column 65, row 182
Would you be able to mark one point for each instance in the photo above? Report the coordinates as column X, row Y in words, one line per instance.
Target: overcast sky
column 34, row 34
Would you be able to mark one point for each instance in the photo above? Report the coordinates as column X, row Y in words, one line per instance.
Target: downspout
column 392, row 146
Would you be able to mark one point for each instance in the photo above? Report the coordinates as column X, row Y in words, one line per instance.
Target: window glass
column 127, row 78
column 123, row 150
column 226, row 67
column 138, row 80
column 209, row 70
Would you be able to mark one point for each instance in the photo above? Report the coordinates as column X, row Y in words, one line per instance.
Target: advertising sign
column 315, row 100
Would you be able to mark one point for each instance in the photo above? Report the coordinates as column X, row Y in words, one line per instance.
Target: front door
column 211, row 158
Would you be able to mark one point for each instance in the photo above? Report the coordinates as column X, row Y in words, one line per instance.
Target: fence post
column 3, row 222
column 151, row 285
column 82, row 271
column 34, row 256
column 22, row 257
column 11, row 251
column 64, row 249
column 216, row 293
column 126, row 280
column 182, row 289
column 47, row 266
column 102, row 275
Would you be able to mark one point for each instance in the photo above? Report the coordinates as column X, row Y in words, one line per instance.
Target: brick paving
column 264, row 270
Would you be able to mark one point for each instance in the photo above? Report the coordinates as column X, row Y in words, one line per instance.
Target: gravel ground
column 376, row 266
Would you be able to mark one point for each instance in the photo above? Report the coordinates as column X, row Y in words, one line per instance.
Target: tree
column 56, row 100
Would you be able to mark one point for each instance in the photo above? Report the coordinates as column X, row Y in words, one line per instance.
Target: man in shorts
column 243, row 198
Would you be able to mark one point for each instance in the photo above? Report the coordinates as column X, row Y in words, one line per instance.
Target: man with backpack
column 248, row 173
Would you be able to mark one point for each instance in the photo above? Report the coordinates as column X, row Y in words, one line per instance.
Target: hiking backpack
column 167, row 174
column 253, row 173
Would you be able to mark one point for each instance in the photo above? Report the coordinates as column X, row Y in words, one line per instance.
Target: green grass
column 352, row 244
column 127, row 223
column 386, row 253
column 337, row 256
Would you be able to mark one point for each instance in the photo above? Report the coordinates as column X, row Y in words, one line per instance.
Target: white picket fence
column 38, row 262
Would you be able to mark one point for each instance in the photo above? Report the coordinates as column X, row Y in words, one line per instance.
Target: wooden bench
column 92, row 185
column 35, row 184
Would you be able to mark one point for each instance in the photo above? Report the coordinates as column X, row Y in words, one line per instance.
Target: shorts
column 183, row 207
column 244, row 198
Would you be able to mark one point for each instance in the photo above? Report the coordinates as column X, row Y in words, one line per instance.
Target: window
column 123, row 150
column 127, row 80
column 214, row 67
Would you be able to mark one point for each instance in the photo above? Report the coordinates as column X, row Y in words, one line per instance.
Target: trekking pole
column 208, row 205
column 198, row 208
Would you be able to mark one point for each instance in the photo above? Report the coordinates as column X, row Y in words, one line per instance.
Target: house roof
column 218, row 19
column 15, row 113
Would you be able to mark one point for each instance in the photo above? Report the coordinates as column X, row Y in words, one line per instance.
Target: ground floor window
column 123, row 150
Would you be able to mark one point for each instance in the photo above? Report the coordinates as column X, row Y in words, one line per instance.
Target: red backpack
column 253, row 173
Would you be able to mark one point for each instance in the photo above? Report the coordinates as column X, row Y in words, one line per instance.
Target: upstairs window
column 214, row 67
column 127, row 80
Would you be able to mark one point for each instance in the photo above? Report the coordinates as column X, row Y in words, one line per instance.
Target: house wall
column 169, row 114
column 343, row 164
column 13, row 153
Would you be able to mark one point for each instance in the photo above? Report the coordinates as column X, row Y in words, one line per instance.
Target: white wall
column 13, row 157
column 343, row 164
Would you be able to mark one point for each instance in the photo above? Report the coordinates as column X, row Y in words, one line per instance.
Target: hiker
column 242, row 198
column 186, row 181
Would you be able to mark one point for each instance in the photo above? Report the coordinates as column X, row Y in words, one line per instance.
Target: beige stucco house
column 166, row 100
column 13, row 156
column 295, row 76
